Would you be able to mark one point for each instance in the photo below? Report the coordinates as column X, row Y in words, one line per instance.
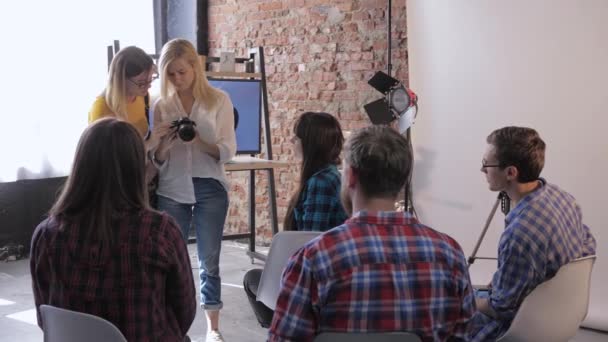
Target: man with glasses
column 544, row 229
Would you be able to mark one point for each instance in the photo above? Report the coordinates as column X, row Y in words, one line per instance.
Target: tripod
column 505, row 202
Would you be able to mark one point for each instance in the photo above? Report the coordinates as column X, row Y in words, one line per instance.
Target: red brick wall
column 319, row 56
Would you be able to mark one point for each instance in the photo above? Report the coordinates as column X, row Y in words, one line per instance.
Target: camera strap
column 147, row 111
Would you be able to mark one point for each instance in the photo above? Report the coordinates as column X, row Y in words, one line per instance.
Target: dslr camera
column 184, row 127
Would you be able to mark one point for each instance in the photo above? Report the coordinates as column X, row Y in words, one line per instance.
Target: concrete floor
column 18, row 317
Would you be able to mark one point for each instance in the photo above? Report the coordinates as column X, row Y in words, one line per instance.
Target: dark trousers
column 262, row 312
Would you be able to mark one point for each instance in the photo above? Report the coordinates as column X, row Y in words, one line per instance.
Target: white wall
column 479, row 65
column 54, row 64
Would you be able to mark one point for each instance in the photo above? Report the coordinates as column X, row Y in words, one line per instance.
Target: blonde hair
column 128, row 62
column 201, row 89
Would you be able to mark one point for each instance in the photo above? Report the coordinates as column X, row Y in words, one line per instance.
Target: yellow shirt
column 136, row 111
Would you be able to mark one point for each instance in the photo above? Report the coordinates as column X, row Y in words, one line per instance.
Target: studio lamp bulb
column 399, row 100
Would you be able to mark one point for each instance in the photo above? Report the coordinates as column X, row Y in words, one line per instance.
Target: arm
column 181, row 294
column 294, row 318
column 162, row 137
column 513, row 279
column 39, row 271
column 468, row 300
column 224, row 149
column 316, row 207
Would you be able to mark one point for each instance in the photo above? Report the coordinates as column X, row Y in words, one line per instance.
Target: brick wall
column 319, row 56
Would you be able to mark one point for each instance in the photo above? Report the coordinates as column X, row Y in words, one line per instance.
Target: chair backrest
column 366, row 337
column 71, row 326
column 283, row 246
column 554, row 310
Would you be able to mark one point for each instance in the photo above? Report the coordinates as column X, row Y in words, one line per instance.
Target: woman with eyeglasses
column 192, row 185
column 126, row 98
column 126, row 94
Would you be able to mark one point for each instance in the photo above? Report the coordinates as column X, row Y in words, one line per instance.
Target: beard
column 347, row 204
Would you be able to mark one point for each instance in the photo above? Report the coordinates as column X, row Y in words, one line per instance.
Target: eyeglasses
column 143, row 85
column 484, row 164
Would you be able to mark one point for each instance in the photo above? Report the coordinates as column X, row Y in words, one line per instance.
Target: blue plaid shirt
column 543, row 232
column 319, row 207
column 377, row 272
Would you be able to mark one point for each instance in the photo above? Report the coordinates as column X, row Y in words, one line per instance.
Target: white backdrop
column 479, row 65
column 54, row 64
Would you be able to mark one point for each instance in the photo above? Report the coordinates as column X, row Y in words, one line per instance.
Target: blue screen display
column 246, row 97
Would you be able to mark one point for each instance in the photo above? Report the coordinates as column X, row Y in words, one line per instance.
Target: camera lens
column 186, row 132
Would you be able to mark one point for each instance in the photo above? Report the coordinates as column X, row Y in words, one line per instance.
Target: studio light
column 398, row 103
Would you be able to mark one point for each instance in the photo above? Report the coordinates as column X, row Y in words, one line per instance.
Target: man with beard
column 380, row 271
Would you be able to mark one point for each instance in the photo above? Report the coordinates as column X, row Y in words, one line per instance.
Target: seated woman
column 316, row 204
column 104, row 252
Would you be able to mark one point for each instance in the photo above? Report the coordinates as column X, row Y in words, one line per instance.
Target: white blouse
column 186, row 161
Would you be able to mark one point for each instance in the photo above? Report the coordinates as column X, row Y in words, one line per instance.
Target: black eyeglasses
column 142, row 85
column 485, row 164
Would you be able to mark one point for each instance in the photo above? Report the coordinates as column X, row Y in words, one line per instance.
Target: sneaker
column 214, row 336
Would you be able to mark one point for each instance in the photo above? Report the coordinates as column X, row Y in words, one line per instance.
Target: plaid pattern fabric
column 378, row 272
column 543, row 232
column 144, row 285
column 319, row 207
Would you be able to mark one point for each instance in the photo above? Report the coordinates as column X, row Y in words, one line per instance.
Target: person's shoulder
column 440, row 236
column 45, row 229
column 327, row 176
column 50, row 224
column 559, row 194
column 99, row 109
column 327, row 240
column 157, row 219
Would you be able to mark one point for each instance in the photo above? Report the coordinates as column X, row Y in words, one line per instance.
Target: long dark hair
column 107, row 178
column 321, row 139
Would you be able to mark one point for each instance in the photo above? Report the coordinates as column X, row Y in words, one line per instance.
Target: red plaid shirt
column 144, row 285
column 378, row 272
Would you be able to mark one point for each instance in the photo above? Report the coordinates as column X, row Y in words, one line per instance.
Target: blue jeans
column 207, row 216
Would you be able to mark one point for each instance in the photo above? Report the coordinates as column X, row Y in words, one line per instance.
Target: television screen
column 246, row 99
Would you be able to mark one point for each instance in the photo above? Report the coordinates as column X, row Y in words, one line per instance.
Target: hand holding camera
column 184, row 128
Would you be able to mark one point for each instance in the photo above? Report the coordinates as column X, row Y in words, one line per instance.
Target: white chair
column 554, row 310
column 366, row 337
column 283, row 246
column 61, row 325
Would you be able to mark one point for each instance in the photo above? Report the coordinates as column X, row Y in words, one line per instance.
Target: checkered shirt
column 544, row 231
column 144, row 285
column 378, row 272
column 319, row 207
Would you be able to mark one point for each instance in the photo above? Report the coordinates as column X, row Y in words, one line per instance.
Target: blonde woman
column 192, row 183
column 126, row 94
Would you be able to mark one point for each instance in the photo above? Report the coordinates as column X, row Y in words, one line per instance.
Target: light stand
column 398, row 104
column 408, row 204
column 504, row 200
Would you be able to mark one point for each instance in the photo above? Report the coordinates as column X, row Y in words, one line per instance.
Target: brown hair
column 521, row 147
column 382, row 159
column 107, row 178
column 321, row 139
